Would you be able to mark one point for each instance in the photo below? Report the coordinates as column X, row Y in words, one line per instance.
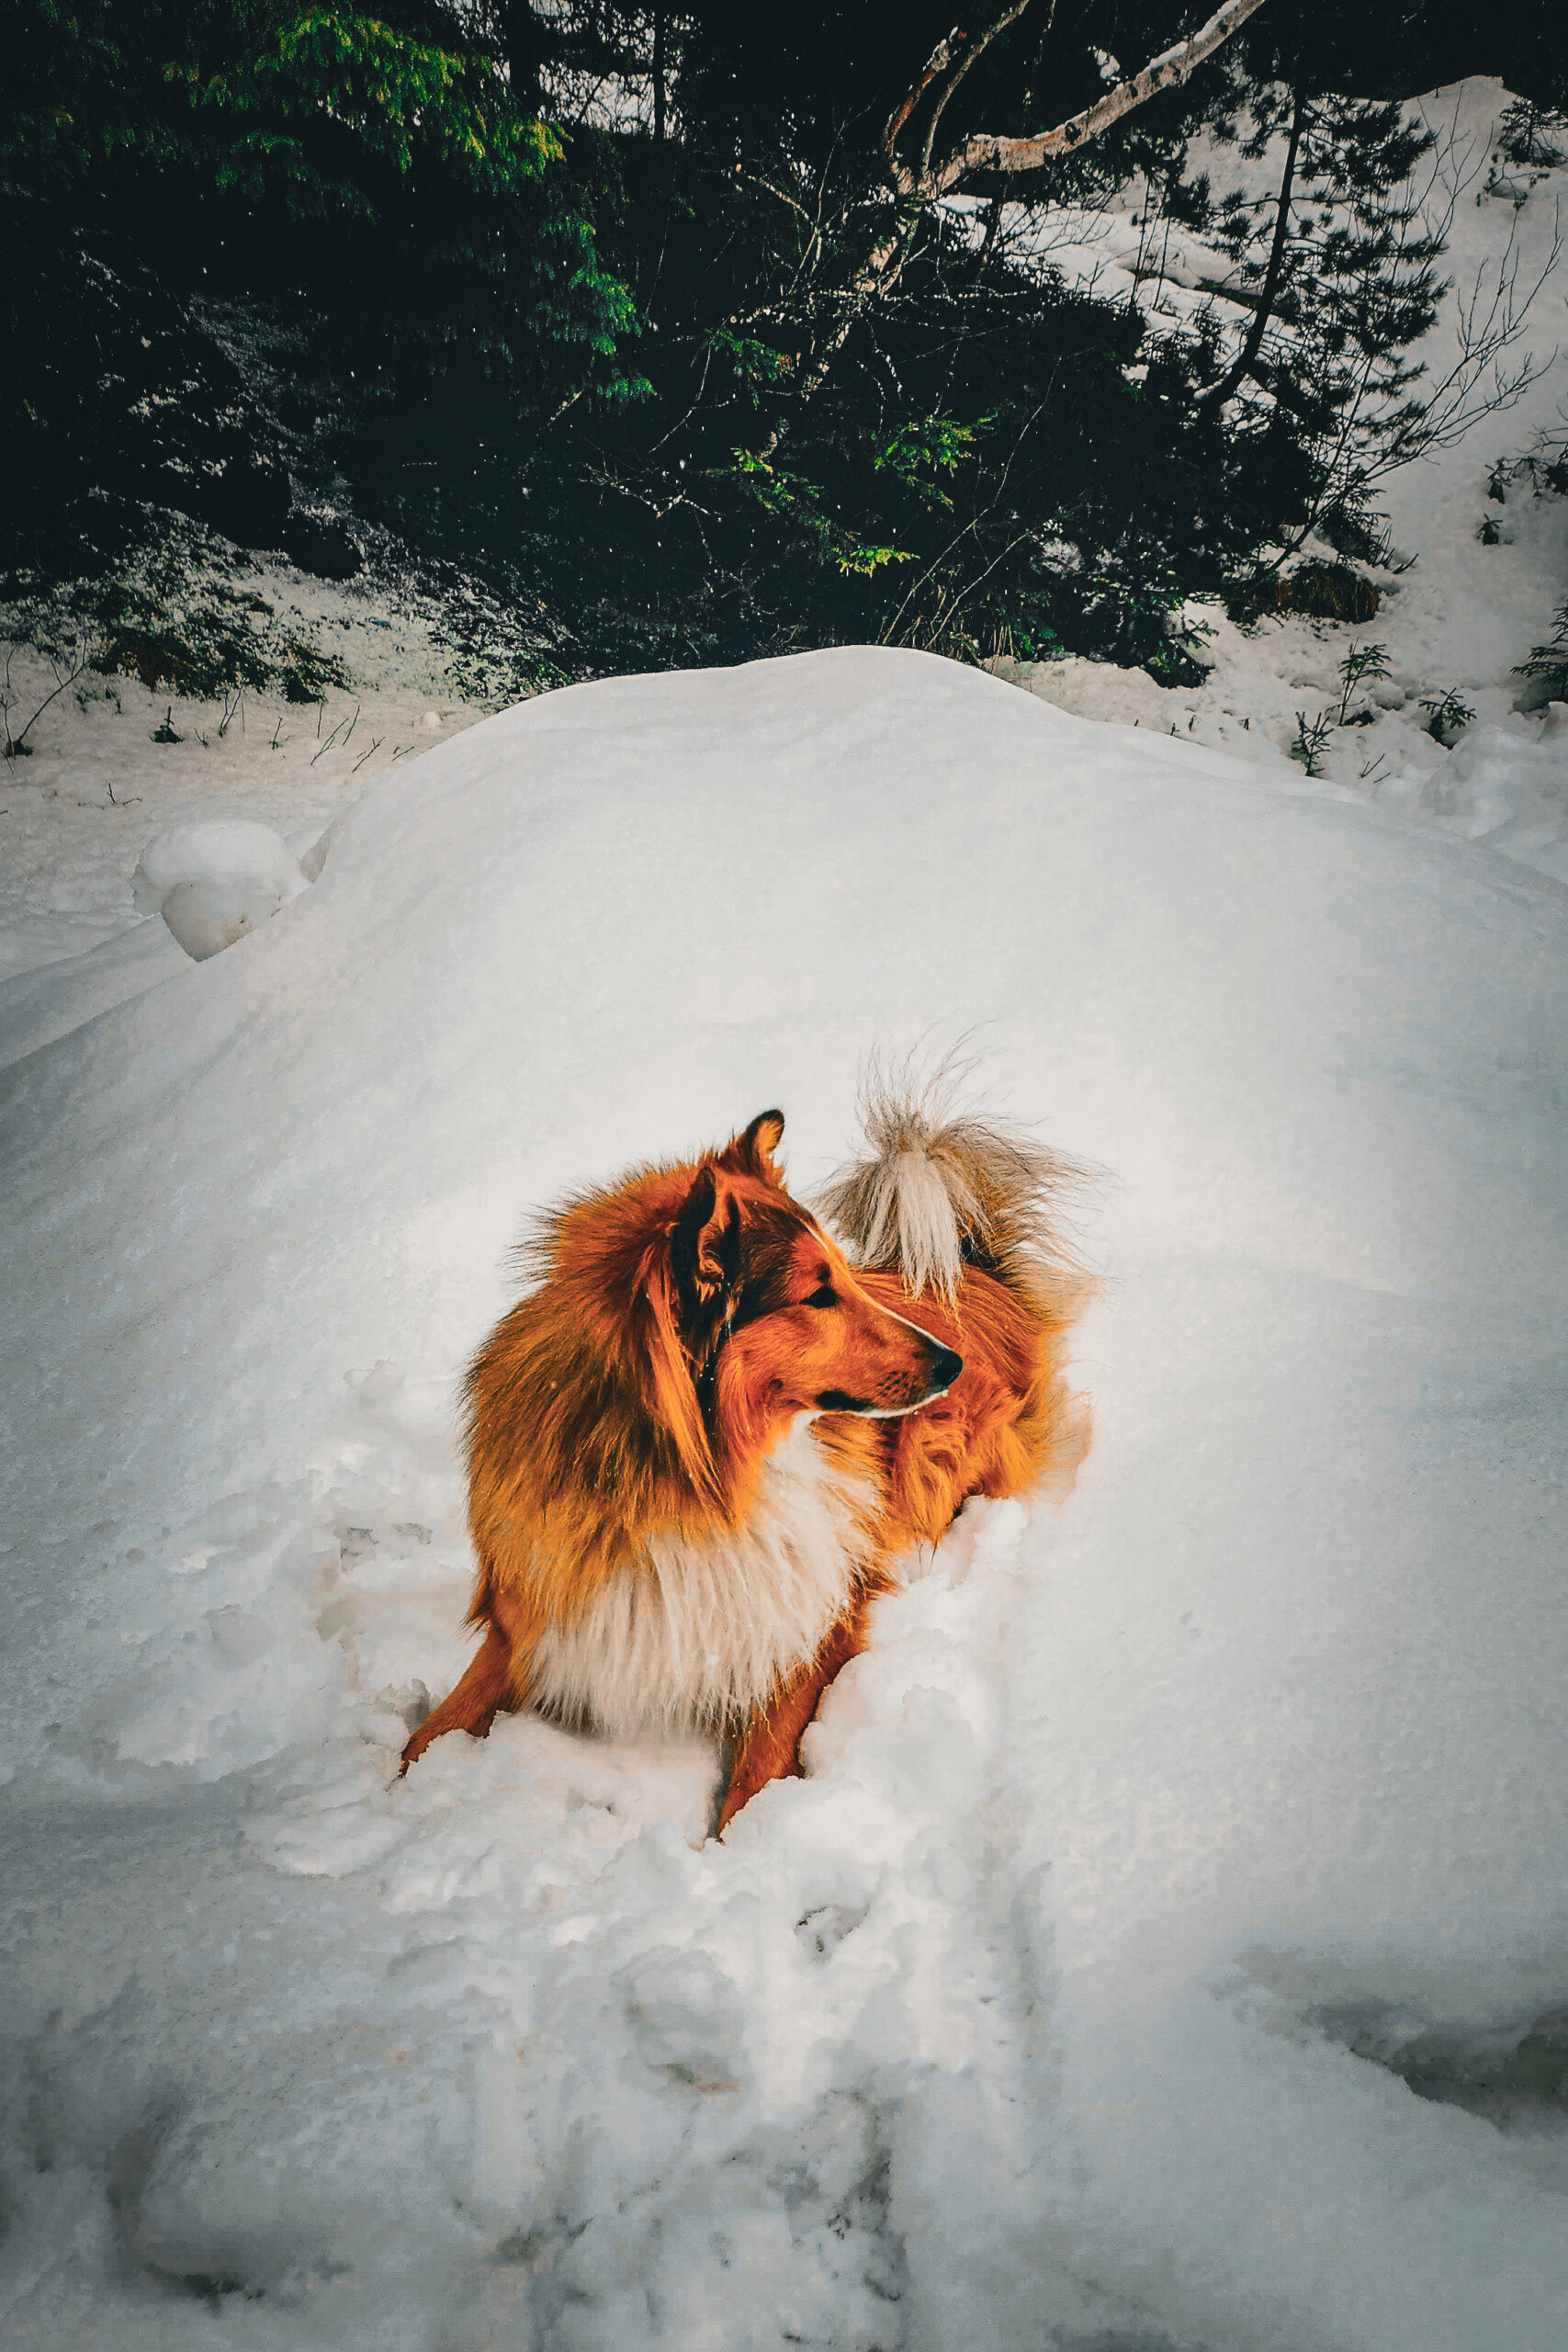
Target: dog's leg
column 473, row 1706
column 770, row 1745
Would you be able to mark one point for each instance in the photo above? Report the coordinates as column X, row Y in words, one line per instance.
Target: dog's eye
column 823, row 1296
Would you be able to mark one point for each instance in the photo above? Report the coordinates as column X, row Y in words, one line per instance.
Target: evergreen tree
column 374, row 174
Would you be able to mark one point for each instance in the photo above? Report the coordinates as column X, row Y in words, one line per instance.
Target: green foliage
column 790, row 498
column 754, row 363
column 326, row 109
column 962, row 452
column 1175, row 662
column 373, row 175
column 1023, row 642
column 919, row 451
column 1361, row 664
column 1550, row 662
column 327, row 97
column 1446, row 714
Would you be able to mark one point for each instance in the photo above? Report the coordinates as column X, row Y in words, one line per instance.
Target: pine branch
column 1246, row 358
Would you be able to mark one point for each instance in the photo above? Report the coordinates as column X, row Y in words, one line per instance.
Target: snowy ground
column 1161, row 1844
column 74, row 816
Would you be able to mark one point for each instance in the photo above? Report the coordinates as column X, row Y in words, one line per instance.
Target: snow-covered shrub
column 177, row 614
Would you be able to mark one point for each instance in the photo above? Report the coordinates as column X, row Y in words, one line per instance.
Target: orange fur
column 635, row 1416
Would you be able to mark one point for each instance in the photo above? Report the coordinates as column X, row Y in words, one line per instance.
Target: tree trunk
column 1246, row 358
column 658, row 16
column 522, row 39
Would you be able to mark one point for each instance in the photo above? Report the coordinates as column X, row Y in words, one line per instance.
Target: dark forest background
column 626, row 337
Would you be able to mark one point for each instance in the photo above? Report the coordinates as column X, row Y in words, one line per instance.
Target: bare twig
column 65, row 667
column 331, row 739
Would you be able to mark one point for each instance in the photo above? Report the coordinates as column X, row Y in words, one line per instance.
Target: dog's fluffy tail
column 941, row 1188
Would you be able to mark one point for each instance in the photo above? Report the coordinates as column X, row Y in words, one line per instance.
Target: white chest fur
column 693, row 1634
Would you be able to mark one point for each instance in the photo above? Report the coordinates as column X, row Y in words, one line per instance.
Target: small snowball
column 214, row 879
column 207, row 917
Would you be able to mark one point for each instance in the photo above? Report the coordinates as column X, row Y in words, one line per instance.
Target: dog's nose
column 946, row 1369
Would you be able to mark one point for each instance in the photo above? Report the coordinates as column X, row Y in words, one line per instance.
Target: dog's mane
column 584, row 1404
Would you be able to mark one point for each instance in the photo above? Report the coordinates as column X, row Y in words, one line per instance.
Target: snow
column 1162, row 1838
column 1026, row 2018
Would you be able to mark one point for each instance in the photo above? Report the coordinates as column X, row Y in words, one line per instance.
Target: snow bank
column 1063, row 2003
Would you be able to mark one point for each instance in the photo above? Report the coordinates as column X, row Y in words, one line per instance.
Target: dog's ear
column 705, row 1243
column 752, row 1152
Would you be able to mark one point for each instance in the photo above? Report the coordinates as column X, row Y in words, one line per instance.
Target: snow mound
column 1071, row 1999
column 215, row 879
column 1505, row 782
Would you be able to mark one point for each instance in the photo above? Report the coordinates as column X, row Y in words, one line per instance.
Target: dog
column 699, row 1444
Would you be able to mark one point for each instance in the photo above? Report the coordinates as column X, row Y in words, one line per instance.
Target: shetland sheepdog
column 698, row 1445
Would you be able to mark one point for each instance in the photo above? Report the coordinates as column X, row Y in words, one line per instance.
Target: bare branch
column 973, row 50
column 1489, row 322
column 986, row 151
column 919, row 188
column 66, row 664
column 936, row 66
